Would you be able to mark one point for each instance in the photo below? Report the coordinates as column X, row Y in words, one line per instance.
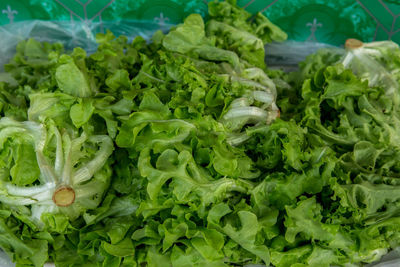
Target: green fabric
column 313, row 20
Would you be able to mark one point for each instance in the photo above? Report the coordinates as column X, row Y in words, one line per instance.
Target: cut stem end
column 353, row 43
column 64, row 196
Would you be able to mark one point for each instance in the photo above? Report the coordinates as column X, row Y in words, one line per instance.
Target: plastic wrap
column 70, row 34
column 287, row 55
column 367, row 60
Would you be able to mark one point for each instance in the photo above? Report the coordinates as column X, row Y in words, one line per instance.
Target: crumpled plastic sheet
column 71, row 34
column 287, row 55
column 284, row 56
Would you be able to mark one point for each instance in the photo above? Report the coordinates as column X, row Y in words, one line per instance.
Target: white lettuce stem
column 241, row 102
column 65, row 177
column 347, row 59
column 28, row 191
column 86, row 172
column 244, row 112
column 235, row 140
column 58, row 165
column 46, row 171
column 263, row 97
column 17, row 201
column 10, row 131
column 83, row 191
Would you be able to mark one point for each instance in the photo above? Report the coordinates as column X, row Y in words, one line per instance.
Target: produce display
column 188, row 150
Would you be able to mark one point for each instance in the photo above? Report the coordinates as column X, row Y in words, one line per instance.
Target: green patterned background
column 330, row 21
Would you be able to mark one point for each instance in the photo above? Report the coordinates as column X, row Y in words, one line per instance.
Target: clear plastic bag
column 70, row 34
column 366, row 61
column 289, row 54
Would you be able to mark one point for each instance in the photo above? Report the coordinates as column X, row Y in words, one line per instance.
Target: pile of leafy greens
column 172, row 153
